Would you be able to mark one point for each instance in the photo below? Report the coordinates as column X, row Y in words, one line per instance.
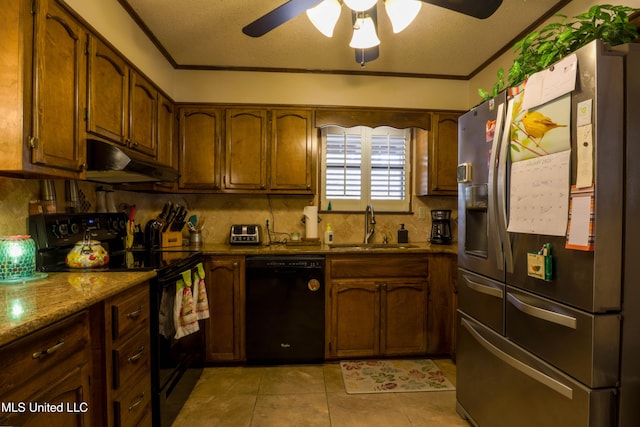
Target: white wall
column 112, row 22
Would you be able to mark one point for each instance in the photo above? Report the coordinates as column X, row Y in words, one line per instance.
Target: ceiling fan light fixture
column 402, row 12
column 325, row 16
column 360, row 5
column 364, row 34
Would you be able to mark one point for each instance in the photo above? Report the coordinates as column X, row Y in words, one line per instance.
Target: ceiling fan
column 293, row 8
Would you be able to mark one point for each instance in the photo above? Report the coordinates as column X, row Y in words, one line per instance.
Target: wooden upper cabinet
column 166, row 133
column 200, row 134
column 270, row 150
column 437, row 156
column 108, row 93
column 142, row 114
column 122, row 103
column 245, row 149
column 293, row 154
column 59, row 81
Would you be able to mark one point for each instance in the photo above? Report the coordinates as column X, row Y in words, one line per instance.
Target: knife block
column 170, row 239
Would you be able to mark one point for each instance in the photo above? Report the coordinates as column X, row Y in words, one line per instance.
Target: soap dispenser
column 328, row 235
column 403, row 234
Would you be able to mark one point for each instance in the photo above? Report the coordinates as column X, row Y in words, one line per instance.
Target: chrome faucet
column 369, row 223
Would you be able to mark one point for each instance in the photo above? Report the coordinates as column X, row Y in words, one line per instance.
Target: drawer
column 130, row 312
column 582, row 344
column 60, row 347
column 134, row 404
column 482, row 299
column 381, row 265
column 500, row 384
column 131, row 357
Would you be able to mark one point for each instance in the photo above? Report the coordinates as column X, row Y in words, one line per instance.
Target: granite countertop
column 283, row 249
column 27, row 307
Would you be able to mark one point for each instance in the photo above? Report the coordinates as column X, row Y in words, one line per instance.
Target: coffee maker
column 440, row 227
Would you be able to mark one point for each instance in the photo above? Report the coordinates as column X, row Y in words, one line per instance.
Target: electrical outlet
column 422, row 212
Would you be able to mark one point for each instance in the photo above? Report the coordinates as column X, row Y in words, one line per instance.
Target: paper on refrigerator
column 539, row 195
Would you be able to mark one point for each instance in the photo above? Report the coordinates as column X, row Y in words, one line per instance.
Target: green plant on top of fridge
column 543, row 47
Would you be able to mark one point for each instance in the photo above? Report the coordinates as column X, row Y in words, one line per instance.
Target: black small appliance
column 440, row 227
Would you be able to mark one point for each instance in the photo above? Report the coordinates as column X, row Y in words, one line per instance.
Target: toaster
column 245, row 234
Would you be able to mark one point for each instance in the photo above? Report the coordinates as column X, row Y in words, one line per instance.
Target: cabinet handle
column 83, row 167
column 136, row 356
column 134, row 144
column 135, row 314
column 235, row 264
column 137, row 403
column 52, row 349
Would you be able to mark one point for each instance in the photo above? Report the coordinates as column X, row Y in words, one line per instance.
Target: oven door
column 177, row 356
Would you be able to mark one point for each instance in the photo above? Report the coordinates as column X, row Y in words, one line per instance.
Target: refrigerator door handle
column 502, row 190
column 540, row 313
column 493, row 231
column 532, row 373
column 483, row 289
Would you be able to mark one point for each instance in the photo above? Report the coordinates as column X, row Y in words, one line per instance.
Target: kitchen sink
column 371, row 246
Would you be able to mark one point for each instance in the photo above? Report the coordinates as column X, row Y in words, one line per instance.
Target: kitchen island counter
column 27, row 307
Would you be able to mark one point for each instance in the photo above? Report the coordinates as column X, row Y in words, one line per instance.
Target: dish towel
column 184, row 309
column 200, row 290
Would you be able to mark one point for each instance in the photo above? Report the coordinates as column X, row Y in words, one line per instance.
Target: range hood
column 109, row 164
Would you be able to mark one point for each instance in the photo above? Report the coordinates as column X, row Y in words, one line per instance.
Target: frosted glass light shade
column 402, row 12
column 360, row 5
column 325, row 16
column 364, row 34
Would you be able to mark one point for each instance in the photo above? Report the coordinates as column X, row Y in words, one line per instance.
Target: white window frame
column 359, row 203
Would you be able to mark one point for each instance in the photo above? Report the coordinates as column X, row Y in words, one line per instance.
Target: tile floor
column 309, row 396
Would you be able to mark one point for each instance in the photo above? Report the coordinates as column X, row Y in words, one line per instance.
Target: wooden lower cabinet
column 376, row 305
column 51, row 366
column 443, row 303
column 122, row 359
column 224, row 329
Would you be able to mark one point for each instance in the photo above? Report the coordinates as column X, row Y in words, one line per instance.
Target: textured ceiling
column 208, row 34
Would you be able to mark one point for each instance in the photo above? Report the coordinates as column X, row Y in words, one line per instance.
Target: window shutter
column 343, row 166
column 388, row 161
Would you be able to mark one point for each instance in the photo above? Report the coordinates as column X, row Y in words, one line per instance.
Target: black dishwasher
column 285, row 309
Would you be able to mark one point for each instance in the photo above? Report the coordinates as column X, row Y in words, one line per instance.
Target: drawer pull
column 540, row 313
column 137, row 356
column 483, row 289
column 135, row 314
column 48, row 351
column 137, row 403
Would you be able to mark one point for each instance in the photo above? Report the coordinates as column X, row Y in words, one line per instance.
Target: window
column 361, row 165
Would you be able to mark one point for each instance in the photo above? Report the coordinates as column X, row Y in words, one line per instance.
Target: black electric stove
column 176, row 364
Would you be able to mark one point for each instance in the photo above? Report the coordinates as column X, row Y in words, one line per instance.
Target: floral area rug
column 393, row 376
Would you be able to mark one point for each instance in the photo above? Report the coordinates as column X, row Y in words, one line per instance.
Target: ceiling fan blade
column 475, row 8
column 369, row 54
column 278, row 16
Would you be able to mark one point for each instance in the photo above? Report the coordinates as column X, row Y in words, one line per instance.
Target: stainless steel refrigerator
column 562, row 350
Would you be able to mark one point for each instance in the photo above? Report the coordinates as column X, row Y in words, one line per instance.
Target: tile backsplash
column 221, row 211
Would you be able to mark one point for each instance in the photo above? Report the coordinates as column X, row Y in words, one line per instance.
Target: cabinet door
column 167, row 144
column 246, row 149
column 200, row 130
column 437, row 156
column 224, row 328
column 108, row 93
column 142, row 115
column 292, row 151
column 441, row 335
column 355, row 319
column 59, row 89
column 404, row 317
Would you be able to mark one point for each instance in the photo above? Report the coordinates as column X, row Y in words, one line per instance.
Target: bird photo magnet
column 542, row 130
